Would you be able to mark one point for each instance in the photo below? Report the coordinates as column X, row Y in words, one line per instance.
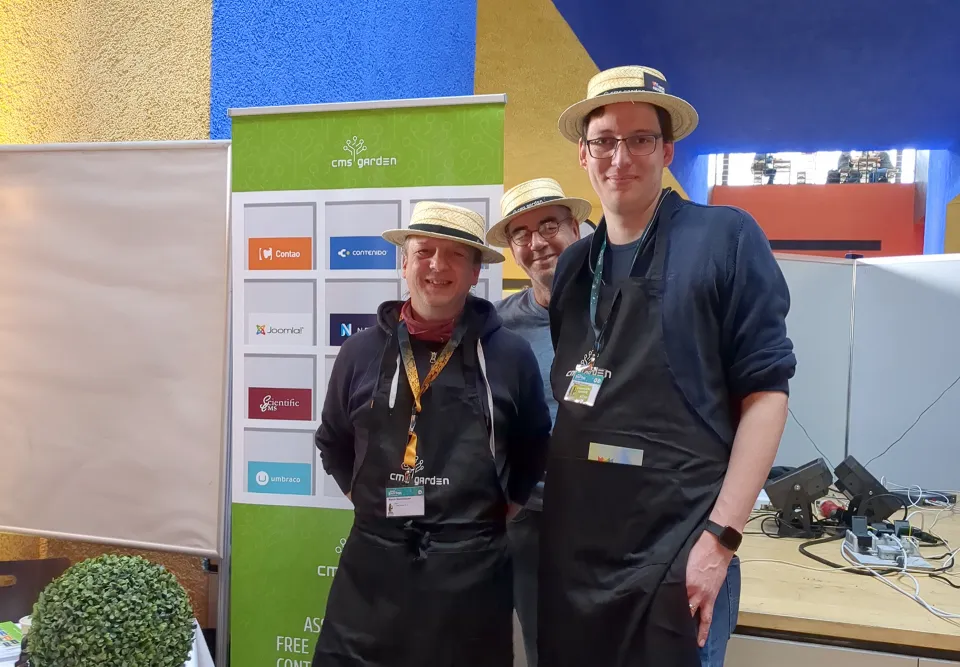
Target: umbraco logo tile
column 295, row 479
column 359, row 158
column 362, row 252
column 279, row 403
column 342, row 326
column 280, row 329
column 293, row 253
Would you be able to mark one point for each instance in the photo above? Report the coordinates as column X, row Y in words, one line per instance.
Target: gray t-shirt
column 522, row 314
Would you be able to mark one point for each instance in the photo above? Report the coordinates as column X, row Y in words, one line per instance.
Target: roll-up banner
column 313, row 189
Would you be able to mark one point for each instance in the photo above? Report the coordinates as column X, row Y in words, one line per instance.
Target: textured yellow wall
column 526, row 50
column 951, row 237
column 105, row 70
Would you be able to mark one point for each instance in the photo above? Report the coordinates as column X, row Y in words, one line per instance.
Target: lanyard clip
column 413, row 422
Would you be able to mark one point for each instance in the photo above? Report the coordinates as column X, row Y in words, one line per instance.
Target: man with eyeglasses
column 538, row 222
column 671, row 373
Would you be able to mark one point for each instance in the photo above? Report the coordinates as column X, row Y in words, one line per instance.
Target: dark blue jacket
column 725, row 304
column 521, row 419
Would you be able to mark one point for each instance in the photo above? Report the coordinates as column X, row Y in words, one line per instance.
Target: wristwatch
column 727, row 536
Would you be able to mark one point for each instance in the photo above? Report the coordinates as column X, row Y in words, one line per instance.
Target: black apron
column 435, row 589
column 616, row 536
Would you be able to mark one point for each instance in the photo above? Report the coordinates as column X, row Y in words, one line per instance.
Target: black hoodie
column 521, row 418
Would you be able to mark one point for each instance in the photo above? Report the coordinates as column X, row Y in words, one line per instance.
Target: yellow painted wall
column 104, row 70
column 526, row 50
column 951, row 237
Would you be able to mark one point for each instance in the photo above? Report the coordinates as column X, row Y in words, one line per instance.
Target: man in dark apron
column 671, row 373
column 433, row 423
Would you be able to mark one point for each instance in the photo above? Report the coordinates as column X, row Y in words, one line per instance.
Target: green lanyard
column 598, row 332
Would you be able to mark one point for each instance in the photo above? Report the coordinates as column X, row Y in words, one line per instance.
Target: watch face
column 730, row 538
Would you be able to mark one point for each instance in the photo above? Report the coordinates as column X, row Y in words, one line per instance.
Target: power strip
column 884, row 551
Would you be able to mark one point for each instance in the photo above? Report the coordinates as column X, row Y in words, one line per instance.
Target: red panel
column 881, row 212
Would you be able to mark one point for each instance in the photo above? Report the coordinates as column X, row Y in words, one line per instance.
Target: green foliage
column 112, row 611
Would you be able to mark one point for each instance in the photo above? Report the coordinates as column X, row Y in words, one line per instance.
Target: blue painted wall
column 792, row 76
column 275, row 52
column 943, row 184
column 691, row 172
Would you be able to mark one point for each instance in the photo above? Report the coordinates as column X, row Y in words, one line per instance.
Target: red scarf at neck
column 434, row 332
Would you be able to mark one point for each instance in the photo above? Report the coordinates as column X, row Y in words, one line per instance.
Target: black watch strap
column 727, row 536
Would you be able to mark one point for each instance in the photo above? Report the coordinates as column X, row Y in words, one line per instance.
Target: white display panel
column 906, row 354
column 818, row 323
column 311, row 269
column 115, row 294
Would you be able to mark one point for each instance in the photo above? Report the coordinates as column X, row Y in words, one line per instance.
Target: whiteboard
column 906, row 353
column 113, row 289
column 818, row 323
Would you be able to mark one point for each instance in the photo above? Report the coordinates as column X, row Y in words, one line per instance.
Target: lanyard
column 598, row 332
column 418, row 390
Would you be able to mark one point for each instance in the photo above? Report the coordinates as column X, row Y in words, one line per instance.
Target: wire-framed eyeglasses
column 547, row 229
column 637, row 145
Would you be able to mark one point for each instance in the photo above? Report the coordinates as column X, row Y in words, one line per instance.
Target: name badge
column 405, row 501
column 610, row 454
column 583, row 388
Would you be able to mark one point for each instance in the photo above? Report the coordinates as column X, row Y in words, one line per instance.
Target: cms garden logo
column 355, row 148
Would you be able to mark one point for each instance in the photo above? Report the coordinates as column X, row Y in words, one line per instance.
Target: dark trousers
column 523, row 532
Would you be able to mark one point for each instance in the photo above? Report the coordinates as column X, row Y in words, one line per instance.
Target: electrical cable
column 915, row 422
column 890, row 446
column 802, row 428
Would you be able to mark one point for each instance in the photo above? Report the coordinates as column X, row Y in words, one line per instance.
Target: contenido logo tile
column 279, row 403
column 294, row 253
column 362, row 252
column 280, row 329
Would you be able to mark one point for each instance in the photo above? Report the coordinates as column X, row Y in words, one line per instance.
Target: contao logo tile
column 293, row 253
column 279, row 403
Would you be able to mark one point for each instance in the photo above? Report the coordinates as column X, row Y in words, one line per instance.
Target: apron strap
column 394, row 384
column 486, row 383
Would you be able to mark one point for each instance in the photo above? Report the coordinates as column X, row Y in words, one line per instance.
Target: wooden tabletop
column 784, row 598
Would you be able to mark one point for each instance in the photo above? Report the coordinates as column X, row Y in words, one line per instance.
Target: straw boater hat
column 446, row 221
column 531, row 195
column 629, row 84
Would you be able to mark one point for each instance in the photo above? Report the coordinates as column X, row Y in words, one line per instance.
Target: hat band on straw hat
column 654, row 87
column 532, row 203
column 444, row 230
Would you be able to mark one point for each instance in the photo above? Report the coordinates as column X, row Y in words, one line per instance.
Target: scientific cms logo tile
column 279, row 403
column 362, row 252
column 342, row 326
column 280, row 254
column 292, row 479
column 280, row 329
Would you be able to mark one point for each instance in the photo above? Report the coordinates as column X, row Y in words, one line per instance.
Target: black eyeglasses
column 546, row 229
column 637, row 145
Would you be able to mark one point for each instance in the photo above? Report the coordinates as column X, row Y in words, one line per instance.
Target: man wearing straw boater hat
column 434, row 422
column 538, row 222
column 671, row 372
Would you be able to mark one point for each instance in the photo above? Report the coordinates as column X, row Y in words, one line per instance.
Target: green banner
column 284, row 560
column 289, row 519
column 373, row 148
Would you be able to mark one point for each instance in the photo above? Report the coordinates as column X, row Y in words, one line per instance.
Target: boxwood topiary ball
column 112, row 611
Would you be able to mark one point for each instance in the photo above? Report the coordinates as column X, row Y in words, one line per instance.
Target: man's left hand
column 706, row 571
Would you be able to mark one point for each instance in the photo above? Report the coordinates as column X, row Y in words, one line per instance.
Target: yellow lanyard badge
column 418, row 390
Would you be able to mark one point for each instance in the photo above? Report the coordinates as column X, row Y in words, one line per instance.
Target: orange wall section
column 877, row 213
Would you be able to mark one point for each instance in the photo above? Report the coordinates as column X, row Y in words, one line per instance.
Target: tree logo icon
column 354, row 146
